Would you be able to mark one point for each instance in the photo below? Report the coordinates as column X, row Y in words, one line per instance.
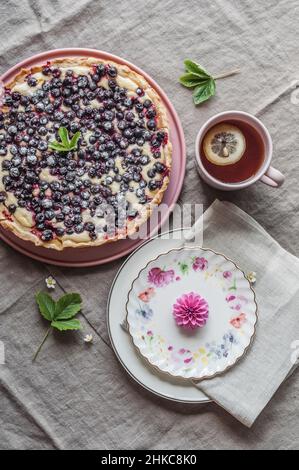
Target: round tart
column 85, row 154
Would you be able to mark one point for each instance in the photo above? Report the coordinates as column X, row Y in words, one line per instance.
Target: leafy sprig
column 204, row 84
column 66, row 143
column 60, row 314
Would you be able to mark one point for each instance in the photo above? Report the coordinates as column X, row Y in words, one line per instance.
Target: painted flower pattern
column 217, row 351
column 227, row 274
column 161, row 278
column 230, row 297
column 183, row 357
column 236, row 302
column 238, row 321
column 200, row 264
column 191, row 311
column 147, row 294
column 145, row 311
column 184, row 268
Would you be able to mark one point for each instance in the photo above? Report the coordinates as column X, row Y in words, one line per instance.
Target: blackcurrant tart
column 84, row 144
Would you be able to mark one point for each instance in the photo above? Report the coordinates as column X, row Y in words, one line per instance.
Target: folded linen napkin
column 246, row 389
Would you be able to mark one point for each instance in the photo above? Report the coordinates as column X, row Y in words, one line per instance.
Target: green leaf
column 199, row 79
column 74, row 140
column 204, row 83
column 195, row 68
column 184, row 268
column 67, row 306
column 46, row 305
column 233, row 287
column 63, row 325
column 54, row 145
column 204, row 91
column 191, row 80
column 60, row 313
column 64, row 136
column 66, row 144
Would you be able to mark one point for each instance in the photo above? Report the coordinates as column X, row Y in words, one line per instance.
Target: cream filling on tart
column 125, row 114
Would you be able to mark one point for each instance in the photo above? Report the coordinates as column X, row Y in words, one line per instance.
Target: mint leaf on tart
column 64, row 136
column 66, row 144
column 203, row 83
column 58, row 147
column 74, row 140
column 60, row 314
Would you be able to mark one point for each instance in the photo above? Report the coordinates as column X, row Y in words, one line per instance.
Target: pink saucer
column 84, row 257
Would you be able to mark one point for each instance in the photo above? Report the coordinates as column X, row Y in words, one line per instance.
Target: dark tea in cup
column 232, row 151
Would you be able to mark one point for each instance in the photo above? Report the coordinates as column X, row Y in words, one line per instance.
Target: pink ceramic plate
column 100, row 255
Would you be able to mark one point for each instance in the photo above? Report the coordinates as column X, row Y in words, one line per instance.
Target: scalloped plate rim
column 251, row 338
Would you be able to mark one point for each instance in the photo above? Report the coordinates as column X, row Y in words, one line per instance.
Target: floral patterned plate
column 191, row 313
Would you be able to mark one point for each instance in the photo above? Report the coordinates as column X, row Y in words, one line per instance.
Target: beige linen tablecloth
column 77, row 396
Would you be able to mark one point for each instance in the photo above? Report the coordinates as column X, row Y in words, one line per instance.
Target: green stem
column 227, row 74
column 42, row 343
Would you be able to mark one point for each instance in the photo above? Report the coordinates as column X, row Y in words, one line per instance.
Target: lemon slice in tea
column 224, row 144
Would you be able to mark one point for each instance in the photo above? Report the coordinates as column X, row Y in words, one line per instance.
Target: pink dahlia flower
column 191, row 311
column 200, row 264
column 160, row 278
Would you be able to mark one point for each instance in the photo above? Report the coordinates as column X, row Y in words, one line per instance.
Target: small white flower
column 251, row 277
column 50, row 282
column 88, row 338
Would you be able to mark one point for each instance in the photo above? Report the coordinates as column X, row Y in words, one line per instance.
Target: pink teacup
column 266, row 173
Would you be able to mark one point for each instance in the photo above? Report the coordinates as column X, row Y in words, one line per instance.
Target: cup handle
column 273, row 177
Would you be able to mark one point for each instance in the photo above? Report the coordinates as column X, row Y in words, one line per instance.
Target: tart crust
column 20, row 225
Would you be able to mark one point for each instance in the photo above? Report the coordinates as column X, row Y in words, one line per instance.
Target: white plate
column 164, row 386
column 191, row 313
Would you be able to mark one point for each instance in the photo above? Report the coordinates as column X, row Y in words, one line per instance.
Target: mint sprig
column 60, row 314
column 66, row 144
column 204, row 84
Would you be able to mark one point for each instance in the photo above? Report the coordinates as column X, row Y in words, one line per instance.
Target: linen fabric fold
column 247, row 387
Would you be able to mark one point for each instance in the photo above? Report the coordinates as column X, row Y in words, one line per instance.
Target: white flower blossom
column 50, row 282
column 88, row 338
column 251, row 277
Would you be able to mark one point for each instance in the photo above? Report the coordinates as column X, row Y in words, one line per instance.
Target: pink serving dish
column 83, row 257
